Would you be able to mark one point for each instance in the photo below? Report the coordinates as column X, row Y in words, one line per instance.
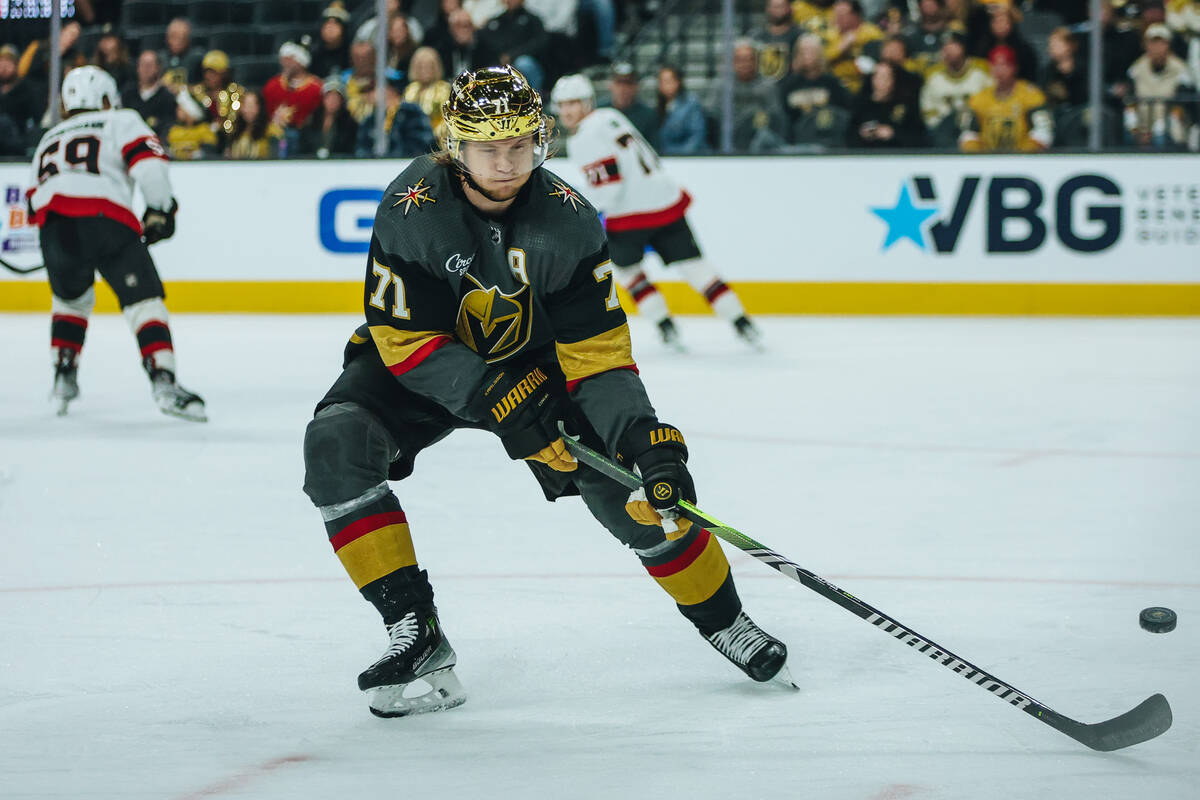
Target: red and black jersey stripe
column 143, row 148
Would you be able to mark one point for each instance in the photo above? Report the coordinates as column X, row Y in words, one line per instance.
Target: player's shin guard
column 649, row 300
column 370, row 536
column 68, row 328
column 147, row 320
column 704, row 279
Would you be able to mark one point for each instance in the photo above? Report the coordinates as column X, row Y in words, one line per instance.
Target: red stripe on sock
column 70, row 319
column 67, row 344
column 714, row 291
column 154, row 323
column 364, row 526
column 645, row 291
column 154, row 347
column 684, row 559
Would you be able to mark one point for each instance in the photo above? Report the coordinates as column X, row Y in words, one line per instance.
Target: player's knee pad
column 80, row 306
column 628, row 273
column 698, row 273
column 347, row 451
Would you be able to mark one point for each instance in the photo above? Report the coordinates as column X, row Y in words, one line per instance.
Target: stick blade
column 1149, row 719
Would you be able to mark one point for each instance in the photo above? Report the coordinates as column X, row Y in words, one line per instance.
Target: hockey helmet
column 493, row 104
column 86, row 88
column 572, row 87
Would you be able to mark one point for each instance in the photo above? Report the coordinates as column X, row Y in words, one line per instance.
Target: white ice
column 174, row 624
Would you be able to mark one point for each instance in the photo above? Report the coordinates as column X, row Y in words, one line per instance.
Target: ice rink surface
column 174, row 624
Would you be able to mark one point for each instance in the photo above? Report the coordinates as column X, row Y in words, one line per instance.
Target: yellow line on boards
column 759, row 297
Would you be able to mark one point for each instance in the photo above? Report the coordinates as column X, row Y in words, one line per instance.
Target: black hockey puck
column 1157, row 619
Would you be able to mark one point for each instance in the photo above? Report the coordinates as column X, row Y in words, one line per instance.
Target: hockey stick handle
column 1146, row 721
column 20, row 270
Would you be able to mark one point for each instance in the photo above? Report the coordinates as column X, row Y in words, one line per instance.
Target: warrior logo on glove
column 663, row 491
column 518, row 393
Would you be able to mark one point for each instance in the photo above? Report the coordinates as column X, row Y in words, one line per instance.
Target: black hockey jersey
column 450, row 291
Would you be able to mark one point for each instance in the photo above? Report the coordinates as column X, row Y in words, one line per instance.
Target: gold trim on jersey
column 609, row 350
column 396, row 346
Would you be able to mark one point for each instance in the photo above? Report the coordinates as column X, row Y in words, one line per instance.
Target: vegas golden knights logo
column 518, row 393
column 494, row 324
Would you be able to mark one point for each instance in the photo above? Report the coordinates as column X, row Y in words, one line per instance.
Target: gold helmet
column 491, row 104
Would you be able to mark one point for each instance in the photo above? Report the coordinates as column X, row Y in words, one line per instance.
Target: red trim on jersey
column 67, row 344
column 684, row 559
column 141, row 149
column 87, row 207
column 362, row 527
column 603, row 171
column 70, row 318
column 571, row 385
column 650, row 219
column 420, row 354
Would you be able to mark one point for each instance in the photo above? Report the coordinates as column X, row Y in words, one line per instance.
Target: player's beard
column 496, row 197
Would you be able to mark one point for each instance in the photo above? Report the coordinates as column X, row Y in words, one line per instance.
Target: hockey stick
column 1149, row 719
column 20, row 270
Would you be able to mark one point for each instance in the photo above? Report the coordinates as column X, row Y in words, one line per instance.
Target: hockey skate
column 754, row 652
column 748, row 333
column 173, row 399
column 416, row 674
column 66, row 385
column 670, row 335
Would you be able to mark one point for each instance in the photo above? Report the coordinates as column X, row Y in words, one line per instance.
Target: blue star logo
column 904, row 220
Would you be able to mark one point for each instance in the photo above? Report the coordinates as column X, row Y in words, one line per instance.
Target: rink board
column 1113, row 235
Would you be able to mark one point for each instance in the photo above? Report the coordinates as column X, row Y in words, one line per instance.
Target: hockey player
column 490, row 303
column 642, row 206
column 83, row 176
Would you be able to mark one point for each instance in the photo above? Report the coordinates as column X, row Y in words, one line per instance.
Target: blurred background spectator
column 332, row 132
column 217, row 94
column 883, row 115
column 757, row 118
column 427, row 88
column 465, row 48
column 947, row 88
column 1159, row 76
column 254, row 135
column 1003, row 29
column 405, row 126
column 149, row 96
column 1009, row 116
column 401, row 44
column 846, row 40
column 926, row 34
column 816, row 105
column 181, row 59
column 292, row 95
column 331, row 51
column 112, row 56
column 20, row 106
column 682, row 126
column 623, row 91
column 776, row 35
column 518, row 37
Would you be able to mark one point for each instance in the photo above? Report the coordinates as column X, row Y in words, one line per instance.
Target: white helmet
column 572, row 87
column 87, row 88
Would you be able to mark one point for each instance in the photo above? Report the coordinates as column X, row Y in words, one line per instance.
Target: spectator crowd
column 807, row 74
column 321, row 101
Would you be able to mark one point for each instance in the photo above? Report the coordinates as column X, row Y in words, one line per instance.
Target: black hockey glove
column 660, row 455
column 517, row 406
column 157, row 224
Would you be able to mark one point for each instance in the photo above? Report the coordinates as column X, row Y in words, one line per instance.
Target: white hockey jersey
column 625, row 179
column 86, row 166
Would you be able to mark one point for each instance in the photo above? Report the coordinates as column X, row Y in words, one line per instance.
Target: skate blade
column 444, row 692
column 192, row 413
column 783, row 679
